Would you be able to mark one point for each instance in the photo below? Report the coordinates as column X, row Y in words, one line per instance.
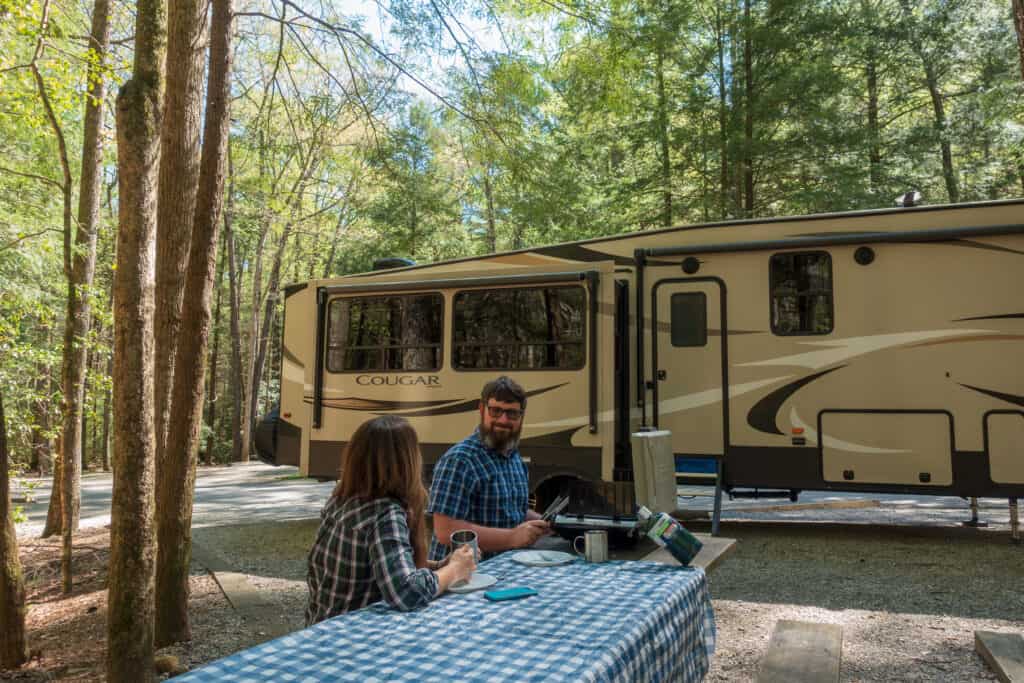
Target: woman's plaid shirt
column 362, row 555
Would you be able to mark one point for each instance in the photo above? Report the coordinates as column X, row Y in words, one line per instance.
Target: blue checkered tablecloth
column 615, row 621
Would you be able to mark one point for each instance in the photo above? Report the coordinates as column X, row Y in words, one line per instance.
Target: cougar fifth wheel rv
column 870, row 351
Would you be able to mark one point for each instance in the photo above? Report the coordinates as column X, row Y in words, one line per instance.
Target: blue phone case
column 510, row 593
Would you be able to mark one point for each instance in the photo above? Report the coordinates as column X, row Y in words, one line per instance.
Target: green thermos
column 670, row 534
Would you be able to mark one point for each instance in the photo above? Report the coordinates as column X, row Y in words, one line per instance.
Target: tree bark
column 249, row 387
column 343, row 222
column 234, row 301
column 492, row 228
column 874, row 148
column 132, row 537
column 663, row 141
column 723, row 120
column 1018, row 24
column 42, row 451
column 266, row 325
column 54, row 520
column 105, row 446
column 748, row 112
column 175, row 493
column 871, row 75
column 945, row 151
column 79, row 315
column 179, row 172
column 13, row 648
column 212, row 393
column 931, row 81
column 73, row 364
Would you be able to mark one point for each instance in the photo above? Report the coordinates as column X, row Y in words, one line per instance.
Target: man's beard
column 503, row 442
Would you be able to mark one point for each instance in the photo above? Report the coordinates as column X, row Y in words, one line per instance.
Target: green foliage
column 415, row 201
column 590, row 119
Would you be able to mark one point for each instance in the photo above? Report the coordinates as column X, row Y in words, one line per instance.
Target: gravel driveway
column 909, row 600
column 907, row 585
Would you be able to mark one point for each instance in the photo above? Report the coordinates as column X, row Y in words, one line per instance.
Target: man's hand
column 527, row 533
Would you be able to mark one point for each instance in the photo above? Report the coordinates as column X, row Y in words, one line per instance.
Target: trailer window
column 801, row 293
column 385, row 333
column 689, row 319
column 521, row 328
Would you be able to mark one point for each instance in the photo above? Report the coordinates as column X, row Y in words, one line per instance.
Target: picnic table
column 614, row 621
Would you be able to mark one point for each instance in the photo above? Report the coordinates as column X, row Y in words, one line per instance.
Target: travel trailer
column 876, row 351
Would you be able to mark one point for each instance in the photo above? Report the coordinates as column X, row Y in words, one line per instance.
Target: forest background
column 464, row 127
column 428, row 129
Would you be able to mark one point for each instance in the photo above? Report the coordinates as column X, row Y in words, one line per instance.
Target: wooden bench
column 802, row 652
column 714, row 550
column 1003, row 652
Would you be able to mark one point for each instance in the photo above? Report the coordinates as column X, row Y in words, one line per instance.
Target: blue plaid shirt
column 477, row 484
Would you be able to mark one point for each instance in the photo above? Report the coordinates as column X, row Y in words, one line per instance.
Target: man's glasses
column 514, row 414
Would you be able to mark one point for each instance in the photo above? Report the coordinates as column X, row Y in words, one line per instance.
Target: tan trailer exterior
column 868, row 351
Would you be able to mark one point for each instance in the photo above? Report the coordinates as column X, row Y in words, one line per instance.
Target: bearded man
column 481, row 483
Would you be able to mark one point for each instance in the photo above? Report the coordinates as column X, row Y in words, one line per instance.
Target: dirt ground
column 67, row 634
column 908, row 600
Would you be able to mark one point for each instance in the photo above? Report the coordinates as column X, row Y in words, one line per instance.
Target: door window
column 689, row 319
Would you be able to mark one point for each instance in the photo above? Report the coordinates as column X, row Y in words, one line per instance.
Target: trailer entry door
column 688, row 371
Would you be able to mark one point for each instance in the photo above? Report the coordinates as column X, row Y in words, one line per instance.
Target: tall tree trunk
column 343, row 222
column 234, row 301
column 179, row 171
column 13, row 648
column 931, row 80
column 870, row 73
column 132, row 533
column 90, row 390
column 492, row 228
column 748, row 112
column 105, row 446
column 212, row 393
column 42, row 452
column 250, row 386
column 723, row 120
column 84, row 460
column 175, row 493
column 941, row 132
column 79, row 316
column 338, row 227
column 663, row 141
column 874, row 149
column 267, row 324
column 1018, row 23
column 73, row 365
column 54, row 515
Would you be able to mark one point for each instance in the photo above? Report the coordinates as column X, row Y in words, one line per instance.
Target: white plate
column 543, row 558
column 476, row 582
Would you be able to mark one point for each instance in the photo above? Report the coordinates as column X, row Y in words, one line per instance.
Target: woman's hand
column 460, row 566
column 462, row 562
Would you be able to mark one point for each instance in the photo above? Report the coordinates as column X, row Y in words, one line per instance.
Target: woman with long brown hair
column 372, row 542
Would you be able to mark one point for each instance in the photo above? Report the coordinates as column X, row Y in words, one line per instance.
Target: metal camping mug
column 466, row 537
column 595, row 545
